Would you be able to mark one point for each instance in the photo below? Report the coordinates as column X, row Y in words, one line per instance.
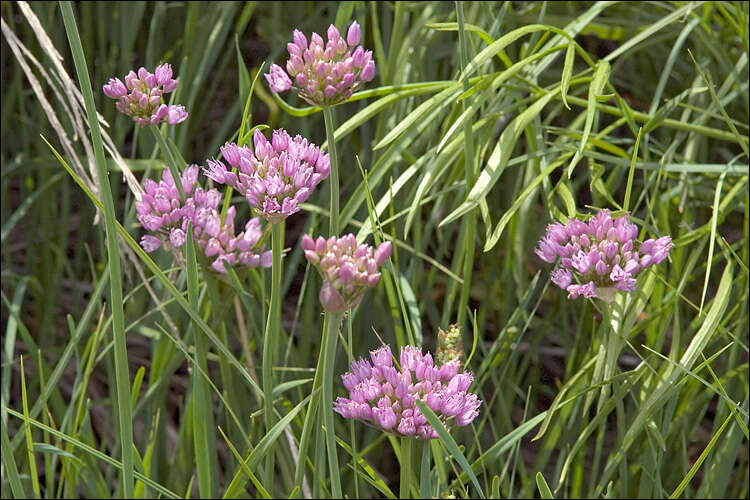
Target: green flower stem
column 613, row 316
column 406, row 472
column 310, row 416
column 134, row 149
column 333, row 226
column 355, row 454
column 171, row 160
column 201, row 401
column 122, row 374
column 425, row 486
column 332, row 332
column 270, row 345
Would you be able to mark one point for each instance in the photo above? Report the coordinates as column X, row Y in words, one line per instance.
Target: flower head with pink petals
column 276, row 177
column 602, row 255
column 385, row 397
column 141, row 96
column 348, row 269
column 324, row 73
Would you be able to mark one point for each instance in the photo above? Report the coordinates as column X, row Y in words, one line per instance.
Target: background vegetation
column 632, row 107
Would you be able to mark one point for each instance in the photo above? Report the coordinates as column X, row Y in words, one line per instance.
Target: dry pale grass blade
column 15, row 45
column 69, row 95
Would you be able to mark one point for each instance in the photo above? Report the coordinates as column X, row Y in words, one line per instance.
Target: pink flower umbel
column 600, row 257
column 161, row 212
column 324, row 73
column 348, row 269
column 277, row 177
column 218, row 240
column 385, row 397
column 142, row 96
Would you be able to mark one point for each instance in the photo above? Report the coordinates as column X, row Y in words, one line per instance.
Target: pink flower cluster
column 348, row 269
column 218, row 240
column 381, row 395
column 160, row 211
column 324, row 73
column 278, row 176
column 601, row 255
column 141, row 96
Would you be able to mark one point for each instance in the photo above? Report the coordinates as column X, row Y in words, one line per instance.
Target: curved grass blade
column 499, row 158
column 93, row 451
column 498, row 231
column 601, row 76
column 9, row 461
column 256, row 482
column 449, row 443
column 689, row 476
column 122, row 375
column 541, row 484
column 265, row 444
column 220, row 346
column 570, row 55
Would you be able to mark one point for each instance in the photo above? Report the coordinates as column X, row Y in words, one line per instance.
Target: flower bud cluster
column 449, row 345
column 277, row 177
column 324, row 73
column 602, row 255
column 383, row 396
column 161, row 212
column 141, row 96
column 348, row 269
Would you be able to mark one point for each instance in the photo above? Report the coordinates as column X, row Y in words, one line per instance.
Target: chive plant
column 623, row 130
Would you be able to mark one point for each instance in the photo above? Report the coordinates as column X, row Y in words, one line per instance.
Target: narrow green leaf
column 136, row 388
column 202, row 420
column 629, row 185
column 601, row 76
column 291, row 384
column 438, row 101
column 686, row 480
column 567, row 73
column 372, row 477
column 449, row 443
column 495, row 487
column 122, row 374
column 9, row 462
column 712, row 239
column 256, row 482
column 265, row 444
column 498, row 231
column 94, row 452
column 499, row 159
column 410, row 300
column 563, row 191
column 541, row 484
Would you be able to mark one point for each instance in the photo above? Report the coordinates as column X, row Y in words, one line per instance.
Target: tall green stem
column 122, row 374
column 355, row 454
column 613, row 313
column 469, row 174
column 334, row 320
column 310, row 416
column 201, row 401
column 270, row 345
column 406, row 472
column 333, row 226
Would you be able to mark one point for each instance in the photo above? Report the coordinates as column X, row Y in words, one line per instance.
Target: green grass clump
column 134, row 374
